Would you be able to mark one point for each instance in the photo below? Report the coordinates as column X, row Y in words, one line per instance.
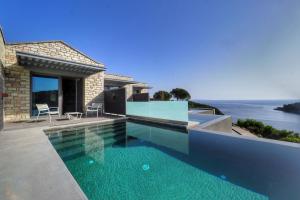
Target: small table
column 73, row 115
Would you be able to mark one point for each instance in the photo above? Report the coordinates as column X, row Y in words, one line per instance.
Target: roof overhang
column 117, row 82
column 45, row 63
column 142, row 87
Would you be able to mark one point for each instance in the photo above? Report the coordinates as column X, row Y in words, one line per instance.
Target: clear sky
column 215, row 49
column 44, row 84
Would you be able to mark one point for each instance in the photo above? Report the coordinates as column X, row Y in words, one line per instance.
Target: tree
column 180, row 94
column 162, row 95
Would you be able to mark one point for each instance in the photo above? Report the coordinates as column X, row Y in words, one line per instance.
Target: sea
column 261, row 110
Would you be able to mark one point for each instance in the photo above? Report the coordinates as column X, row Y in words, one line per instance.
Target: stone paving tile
column 31, row 169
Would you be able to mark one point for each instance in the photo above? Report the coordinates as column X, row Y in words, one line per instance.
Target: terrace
column 69, row 80
column 202, row 159
column 43, row 122
column 32, row 167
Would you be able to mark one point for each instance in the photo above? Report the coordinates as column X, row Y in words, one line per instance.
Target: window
column 44, row 91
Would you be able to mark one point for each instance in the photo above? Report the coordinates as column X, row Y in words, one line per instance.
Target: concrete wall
column 207, row 111
column 17, row 78
column 222, row 124
column 129, row 92
column 117, row 77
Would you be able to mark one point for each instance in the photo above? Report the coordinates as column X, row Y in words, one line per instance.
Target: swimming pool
column 202, row 118
column 129, row 160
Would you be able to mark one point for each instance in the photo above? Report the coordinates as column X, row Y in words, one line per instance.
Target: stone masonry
column 2, row 55
column 17, row 78
column 94, row 89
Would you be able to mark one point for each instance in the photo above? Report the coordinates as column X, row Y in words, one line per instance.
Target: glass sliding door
column 44, row 91
column 72, row 94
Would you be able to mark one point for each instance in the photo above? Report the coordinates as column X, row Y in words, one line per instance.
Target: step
column 85, row 135
column 74, row 131
column 88, row 140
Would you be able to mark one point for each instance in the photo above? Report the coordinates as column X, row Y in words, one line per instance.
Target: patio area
column 56, row 121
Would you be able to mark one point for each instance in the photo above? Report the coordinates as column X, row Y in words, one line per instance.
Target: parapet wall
column 221, row 124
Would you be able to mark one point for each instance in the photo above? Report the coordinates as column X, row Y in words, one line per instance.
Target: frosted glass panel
column 170, row 110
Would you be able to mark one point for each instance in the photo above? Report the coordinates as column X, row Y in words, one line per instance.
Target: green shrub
column 285, row 133
column 261, row 130
column 291, row 139
column 162, row 95
column 267, row 131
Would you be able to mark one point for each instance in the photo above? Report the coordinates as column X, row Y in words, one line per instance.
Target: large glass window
column 44, row 91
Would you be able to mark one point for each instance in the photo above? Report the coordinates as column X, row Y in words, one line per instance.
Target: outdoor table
column 73, row 115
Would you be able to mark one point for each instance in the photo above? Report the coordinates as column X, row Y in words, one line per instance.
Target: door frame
column 77, row 80
column 60, row 90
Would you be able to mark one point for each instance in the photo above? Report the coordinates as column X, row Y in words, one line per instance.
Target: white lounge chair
column 45, row 109
column 95, row 107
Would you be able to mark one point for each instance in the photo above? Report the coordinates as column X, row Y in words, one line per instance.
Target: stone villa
column 53, row 72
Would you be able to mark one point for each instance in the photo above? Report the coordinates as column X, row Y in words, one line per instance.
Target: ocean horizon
column 261, row 110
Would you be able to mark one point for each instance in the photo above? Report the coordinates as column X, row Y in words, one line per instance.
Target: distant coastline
column 290, row 108
column 260, row 110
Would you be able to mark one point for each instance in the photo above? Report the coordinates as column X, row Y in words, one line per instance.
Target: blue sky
column 215, row 49
column 44, row 84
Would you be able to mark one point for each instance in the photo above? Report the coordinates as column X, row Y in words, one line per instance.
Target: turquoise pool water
column 194, row 116
column 130, row 160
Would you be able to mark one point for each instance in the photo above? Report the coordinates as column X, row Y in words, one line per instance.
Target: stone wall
column 55, row 49
column 17, row 87
column 17, row 78
column 94, row 89
column 2, row 55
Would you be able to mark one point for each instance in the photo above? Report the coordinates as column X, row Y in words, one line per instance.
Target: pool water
column 202, row 118
column 130, row 160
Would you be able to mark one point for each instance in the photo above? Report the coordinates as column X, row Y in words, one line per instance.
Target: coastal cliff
column 290, row 108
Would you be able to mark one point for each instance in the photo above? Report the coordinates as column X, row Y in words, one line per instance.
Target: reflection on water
column 127, row 161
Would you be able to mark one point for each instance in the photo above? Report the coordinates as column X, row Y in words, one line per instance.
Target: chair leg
column 50, row 117
column 37, row 118
column 97, row 113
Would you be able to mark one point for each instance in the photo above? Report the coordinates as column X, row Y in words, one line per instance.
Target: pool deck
column 31, row 169
column 56, row 121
